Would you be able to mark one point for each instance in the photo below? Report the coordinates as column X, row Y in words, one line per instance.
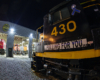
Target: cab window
column 61, row 14
column 56, row 16
column 65, row 13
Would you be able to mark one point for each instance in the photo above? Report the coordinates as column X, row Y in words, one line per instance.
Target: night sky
column 28, row 13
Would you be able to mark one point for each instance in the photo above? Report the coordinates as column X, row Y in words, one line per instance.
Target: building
column 17, row 38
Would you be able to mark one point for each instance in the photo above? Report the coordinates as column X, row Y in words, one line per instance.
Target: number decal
column 54, row 31
column 63, row 28
column 71, row 30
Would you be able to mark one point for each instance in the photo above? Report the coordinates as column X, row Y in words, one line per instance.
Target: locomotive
column 71, row 45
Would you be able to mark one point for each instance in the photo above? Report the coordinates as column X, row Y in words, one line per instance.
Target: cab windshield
column 59, row 15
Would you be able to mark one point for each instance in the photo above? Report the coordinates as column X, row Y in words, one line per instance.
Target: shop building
column 16, row 39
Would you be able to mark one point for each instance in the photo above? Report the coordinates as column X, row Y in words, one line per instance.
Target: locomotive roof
column 59, row 5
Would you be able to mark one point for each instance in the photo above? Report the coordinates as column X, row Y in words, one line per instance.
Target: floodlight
column 12, row 30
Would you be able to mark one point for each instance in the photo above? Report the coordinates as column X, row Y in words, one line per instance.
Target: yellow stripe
column 71, row 55
column 40, row 27
column 90, row 5
column 87, row 2
column 34, row 65
column 98, row 3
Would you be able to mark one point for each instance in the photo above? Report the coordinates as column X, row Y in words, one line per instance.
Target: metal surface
column 57, row 63
column 19, row 30
column 76, row 73
column 96, row 38
column 39, row 47
column 30, row 46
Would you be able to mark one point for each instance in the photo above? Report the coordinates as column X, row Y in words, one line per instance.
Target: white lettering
column 67, row 45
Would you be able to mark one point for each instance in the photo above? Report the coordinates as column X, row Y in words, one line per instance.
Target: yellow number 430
column 55, row 32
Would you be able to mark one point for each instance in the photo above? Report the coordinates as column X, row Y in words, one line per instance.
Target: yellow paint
column 5, row 27
column 34, row 65
column 98, row 4
column 63, row 29
column 74, row 24
column 90, row 5
column 54, row 31
column 91, row 53
column 40, row 27
column 87, row 1
column 25, row 48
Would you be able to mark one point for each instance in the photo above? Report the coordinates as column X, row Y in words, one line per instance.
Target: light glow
column 31, row 34
column 27, row 39
column 23, row 41
column 12, row 30
column 51, row 39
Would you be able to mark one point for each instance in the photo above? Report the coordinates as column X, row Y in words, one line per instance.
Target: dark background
column 28, row 13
